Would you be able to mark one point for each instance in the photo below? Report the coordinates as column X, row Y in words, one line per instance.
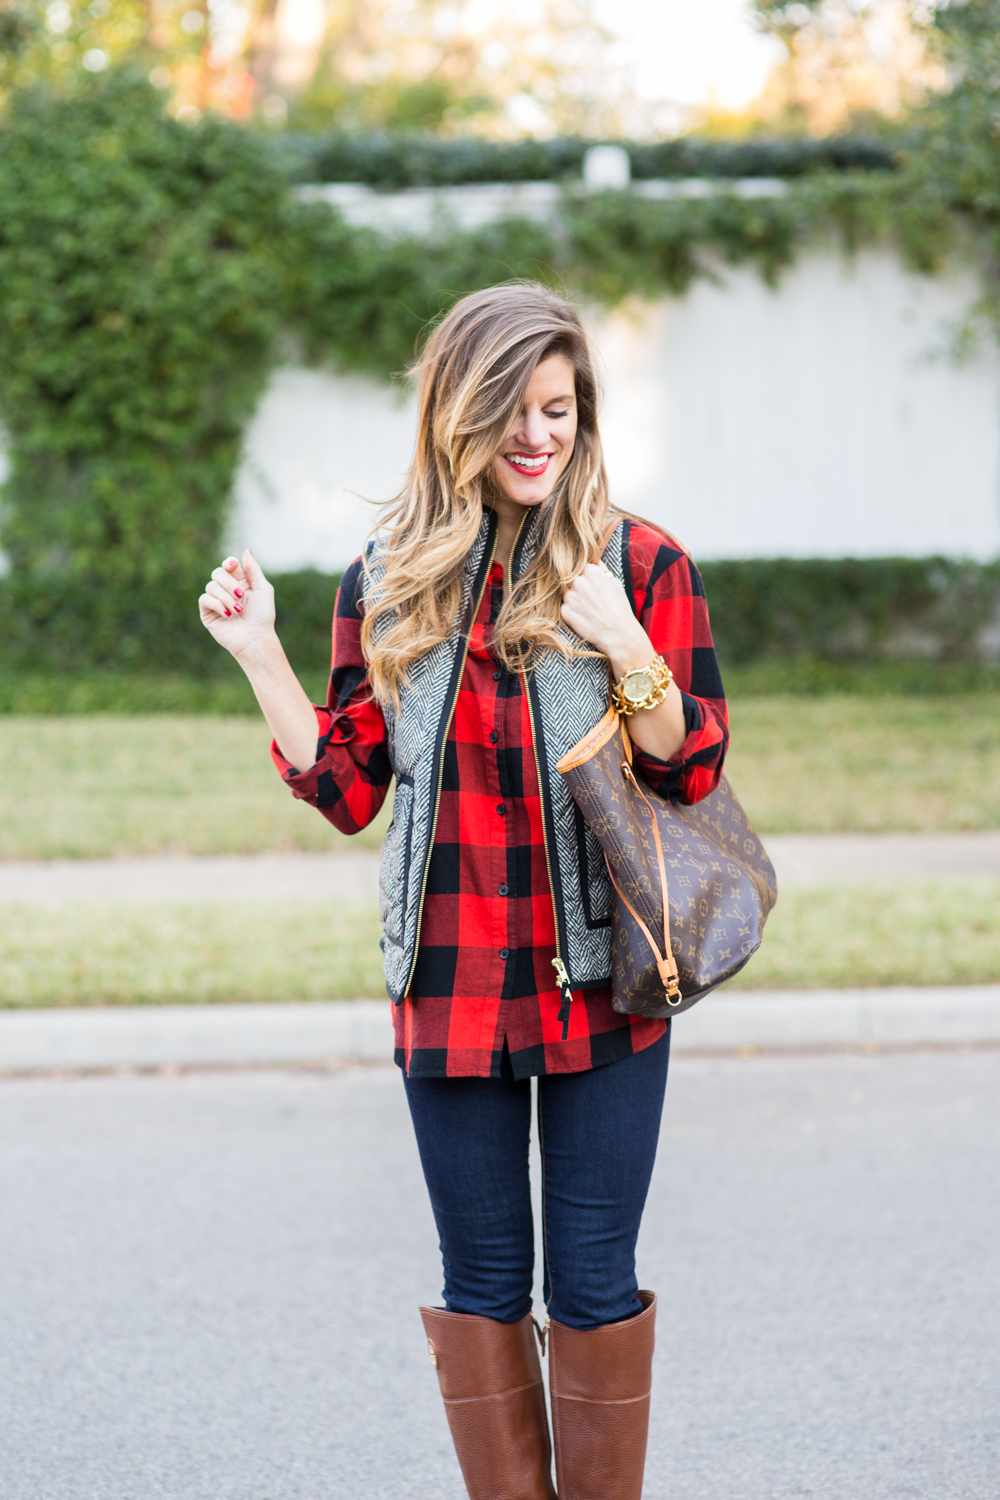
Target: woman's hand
column 597, row 608
column 238, row 605
column 238, row 608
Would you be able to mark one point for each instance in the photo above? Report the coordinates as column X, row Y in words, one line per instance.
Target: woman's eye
column 555, row 413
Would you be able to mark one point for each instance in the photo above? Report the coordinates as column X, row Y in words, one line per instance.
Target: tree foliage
column 139, row 303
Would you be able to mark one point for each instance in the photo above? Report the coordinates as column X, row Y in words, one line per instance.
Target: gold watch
column 646, row 687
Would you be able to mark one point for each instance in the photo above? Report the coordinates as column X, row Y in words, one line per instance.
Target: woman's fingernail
column 228, row 611
column 238, row 608
column 238, row 593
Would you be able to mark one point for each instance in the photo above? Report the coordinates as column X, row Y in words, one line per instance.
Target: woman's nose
column 533, row 430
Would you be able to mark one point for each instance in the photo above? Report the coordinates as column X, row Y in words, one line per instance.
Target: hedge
column 840, row 610
column 854, row 609
column 394, row 162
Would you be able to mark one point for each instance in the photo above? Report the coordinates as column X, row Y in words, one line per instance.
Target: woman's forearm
column 281, row 696
column 660, row 731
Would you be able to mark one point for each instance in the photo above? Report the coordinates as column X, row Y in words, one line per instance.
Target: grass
column 138, row 954
column 155, row 954
column 828, row 765
column 98, row 785
column 74, row 787
column 919, row 933
column 224, row 690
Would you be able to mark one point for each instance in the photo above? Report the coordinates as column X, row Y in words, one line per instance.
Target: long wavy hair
column 472, row 378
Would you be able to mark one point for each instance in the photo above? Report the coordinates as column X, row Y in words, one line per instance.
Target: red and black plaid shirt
column 484, row 977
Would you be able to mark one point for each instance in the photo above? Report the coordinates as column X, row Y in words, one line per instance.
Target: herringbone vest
column 566, row 699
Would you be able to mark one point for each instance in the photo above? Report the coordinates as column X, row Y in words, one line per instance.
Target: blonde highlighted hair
column 472, row 378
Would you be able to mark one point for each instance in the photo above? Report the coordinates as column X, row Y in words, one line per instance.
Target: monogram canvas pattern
column 720, row 882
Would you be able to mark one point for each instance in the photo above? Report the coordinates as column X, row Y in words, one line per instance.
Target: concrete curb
column 226, row 1035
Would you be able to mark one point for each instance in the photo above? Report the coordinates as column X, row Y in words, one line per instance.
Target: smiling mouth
column 528, row 463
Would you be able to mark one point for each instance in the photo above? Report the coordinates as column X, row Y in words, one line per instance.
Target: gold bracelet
column 646, row 687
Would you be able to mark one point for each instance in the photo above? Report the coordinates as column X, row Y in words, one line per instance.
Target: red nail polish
column 238, row 593
column 228, row 611
column 238, row 608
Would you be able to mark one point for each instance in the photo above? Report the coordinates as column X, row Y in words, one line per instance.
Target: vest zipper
column 440, row 776
column 558, row 963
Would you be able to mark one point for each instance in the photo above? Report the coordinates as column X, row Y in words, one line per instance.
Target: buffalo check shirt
column 484, row 981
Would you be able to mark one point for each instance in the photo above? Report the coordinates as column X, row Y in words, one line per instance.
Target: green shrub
column 852, row 609
column 392, row 162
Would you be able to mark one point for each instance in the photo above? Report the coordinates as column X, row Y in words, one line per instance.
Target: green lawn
column 918, row 933
column 824, row 765
column 92, row 786
column 132, row 953
column 139, row 954
column 99, row 785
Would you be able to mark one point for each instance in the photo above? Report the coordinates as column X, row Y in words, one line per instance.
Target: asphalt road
column 209, row 1282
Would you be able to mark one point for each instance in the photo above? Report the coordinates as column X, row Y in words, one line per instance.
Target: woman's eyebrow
column 557, row 400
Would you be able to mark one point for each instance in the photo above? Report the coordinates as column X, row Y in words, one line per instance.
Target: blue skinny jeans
column 597, row 1134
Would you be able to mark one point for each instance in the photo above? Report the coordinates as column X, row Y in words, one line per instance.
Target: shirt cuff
column 665, row 776
column 336, row 728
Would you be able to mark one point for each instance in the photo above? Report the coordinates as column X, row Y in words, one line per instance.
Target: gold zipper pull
column 566, row 993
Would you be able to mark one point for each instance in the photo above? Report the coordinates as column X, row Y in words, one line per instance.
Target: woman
column 474, row 644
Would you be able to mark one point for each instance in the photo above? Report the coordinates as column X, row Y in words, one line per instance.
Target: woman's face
column 540, row 444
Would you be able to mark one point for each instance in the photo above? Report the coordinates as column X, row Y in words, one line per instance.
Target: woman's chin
column 527, row 493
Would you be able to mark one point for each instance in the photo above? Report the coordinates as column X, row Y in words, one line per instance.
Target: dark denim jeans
column 597, row 1132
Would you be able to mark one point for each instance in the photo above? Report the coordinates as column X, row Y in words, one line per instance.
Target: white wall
column 823, row 419
column 319, row 447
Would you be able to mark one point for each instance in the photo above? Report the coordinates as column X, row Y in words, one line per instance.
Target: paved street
column 210, row 1282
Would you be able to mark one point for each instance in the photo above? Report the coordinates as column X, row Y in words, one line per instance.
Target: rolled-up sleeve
column 669, row 600
column 351, row 774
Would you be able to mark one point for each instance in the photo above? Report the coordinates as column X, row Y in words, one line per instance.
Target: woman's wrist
column 629, row 651
column 261, row 654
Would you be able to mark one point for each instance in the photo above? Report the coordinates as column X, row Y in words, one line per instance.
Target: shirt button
column 494, row 737
column 497, row 676
column 505, row 953
column 501, row 810
column 502, row 890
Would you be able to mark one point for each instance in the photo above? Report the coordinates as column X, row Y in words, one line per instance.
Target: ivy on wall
column 152, row 273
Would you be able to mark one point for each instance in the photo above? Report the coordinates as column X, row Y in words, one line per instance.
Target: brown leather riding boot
column 491, row 1382
column 599, row 1381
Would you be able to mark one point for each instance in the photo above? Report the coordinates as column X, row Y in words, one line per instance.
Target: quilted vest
column 566, row 699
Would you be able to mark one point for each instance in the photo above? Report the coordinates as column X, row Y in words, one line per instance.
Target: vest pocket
column 595, row 887
column 394, row 869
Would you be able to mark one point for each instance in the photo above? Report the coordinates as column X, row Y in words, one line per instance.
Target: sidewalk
column 800, row 860
column 360, row 1030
